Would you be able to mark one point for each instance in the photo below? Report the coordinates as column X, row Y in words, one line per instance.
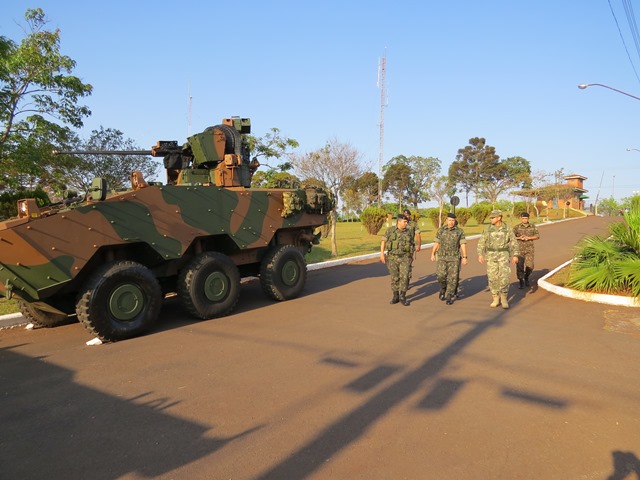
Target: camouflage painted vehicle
column 110, row 259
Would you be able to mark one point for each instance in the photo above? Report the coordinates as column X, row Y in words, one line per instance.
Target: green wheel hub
column 126, row 302
column 290, row 273
column 216, row 286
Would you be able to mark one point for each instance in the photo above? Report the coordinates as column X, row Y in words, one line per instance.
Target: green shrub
column 480, row 211
column 463, row 215
column 373, row 218
column 436, row 218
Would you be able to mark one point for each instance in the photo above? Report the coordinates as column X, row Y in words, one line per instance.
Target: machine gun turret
column 217, row 156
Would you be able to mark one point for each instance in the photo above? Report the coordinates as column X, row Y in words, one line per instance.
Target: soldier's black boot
column 521, row 283
column 403, row 299
column 449, row 300
column 441, row 296
column 395, row 298
column 526, row 281
column 527, row 272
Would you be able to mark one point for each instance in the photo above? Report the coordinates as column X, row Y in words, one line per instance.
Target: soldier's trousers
column 400, row 269
column 498, row 271
column 524, row 266
column 448, row 271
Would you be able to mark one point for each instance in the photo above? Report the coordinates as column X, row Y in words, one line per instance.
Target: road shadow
column 439, row 392
column 53, row 427
column 625, row 464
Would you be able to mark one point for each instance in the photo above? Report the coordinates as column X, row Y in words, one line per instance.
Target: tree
column 441, row 191
column 473, row 166
column 273, row 145
column 39, row 100
column 333, row 165
column 115, row 169
column 408, row 179
column 507, row 174
column 368, row 185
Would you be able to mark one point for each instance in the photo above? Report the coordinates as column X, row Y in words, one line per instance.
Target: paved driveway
column 338, row 384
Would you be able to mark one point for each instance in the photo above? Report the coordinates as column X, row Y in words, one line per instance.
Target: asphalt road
column 338, row 384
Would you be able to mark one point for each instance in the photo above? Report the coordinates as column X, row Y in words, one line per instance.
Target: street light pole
column 582, row 86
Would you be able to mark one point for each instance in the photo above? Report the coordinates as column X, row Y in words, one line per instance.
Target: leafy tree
column 473, row 166
column 116, row 169
column 506, row 174
column 39, row 100
column 409, row 179
column 609, row 207
column 463, row 215
column 273, row 145
column 368, row 185
column 480, row 212
column 333, row 165
column 441, row 191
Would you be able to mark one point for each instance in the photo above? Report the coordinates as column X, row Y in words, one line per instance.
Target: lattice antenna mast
column 382, row 70
column 189, row 110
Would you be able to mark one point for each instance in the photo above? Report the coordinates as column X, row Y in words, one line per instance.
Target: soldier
column 498, row 244
column 417, row 236
column 526, row 233
column 399, row 241
column 450, row 243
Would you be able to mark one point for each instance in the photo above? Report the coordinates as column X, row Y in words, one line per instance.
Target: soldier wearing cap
column 526, row 233
column 497, row 245
column 399, row 243
column 448, row 247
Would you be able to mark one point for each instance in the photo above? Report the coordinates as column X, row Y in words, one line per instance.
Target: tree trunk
column 334, row 243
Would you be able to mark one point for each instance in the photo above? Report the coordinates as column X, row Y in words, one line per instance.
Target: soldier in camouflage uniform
column 448, row 244
column 399, row 243
column 498, row 244
column 413, row 227
column 526, row 233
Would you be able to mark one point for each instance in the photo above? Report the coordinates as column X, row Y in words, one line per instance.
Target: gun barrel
column 102, row 152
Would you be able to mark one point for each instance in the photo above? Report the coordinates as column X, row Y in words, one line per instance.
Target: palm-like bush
column 612, row 264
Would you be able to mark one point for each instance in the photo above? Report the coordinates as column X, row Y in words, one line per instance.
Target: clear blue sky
column 507, row 71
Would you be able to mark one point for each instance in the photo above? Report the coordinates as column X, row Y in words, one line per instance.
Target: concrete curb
column 618, row 300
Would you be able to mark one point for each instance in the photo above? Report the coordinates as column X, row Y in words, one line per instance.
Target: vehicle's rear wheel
column 209, row 285
column 121, row 300
column 40, row 318
column 283, row 272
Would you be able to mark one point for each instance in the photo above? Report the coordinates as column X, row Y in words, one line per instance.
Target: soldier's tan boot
column 496, row 300
column 503, row 300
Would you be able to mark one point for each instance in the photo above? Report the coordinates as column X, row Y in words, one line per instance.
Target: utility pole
column 382, row 69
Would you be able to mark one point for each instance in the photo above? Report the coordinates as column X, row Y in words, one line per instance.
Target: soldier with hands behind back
column 525, row 233
column 399, row 243
column 449, row 245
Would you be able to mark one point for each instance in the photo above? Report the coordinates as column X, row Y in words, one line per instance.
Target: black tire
column 121, row 300
column 40, row 318
column 283, row 272
column 209, row 286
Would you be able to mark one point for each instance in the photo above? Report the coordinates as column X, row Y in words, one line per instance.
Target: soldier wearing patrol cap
column 497, row 245
column 526, row 233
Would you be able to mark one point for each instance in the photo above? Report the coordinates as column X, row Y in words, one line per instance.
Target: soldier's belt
column 497, row 249
column 402, row 254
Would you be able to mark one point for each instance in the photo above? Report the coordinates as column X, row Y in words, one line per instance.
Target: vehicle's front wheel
column 209, row 285
column 283, row 272
column 121, row 300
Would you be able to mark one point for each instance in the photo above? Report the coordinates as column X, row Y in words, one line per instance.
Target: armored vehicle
column 110, row 259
